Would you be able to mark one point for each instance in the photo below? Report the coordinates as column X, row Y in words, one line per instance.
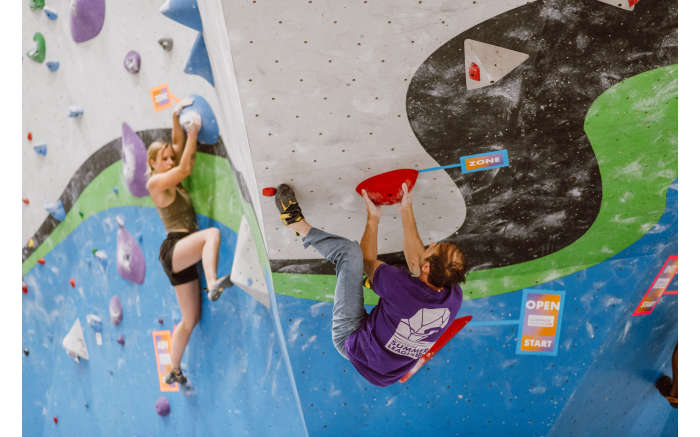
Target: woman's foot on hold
column 219, row 286
column 287, row 204
column 174, row 376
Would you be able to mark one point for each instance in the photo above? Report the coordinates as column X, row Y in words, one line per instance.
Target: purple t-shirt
column 408, row 319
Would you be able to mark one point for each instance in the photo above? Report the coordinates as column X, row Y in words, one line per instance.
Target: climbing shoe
column 174, row 376
column 220, row 285
column 286, row 201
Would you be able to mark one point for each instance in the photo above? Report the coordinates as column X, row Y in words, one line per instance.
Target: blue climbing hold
column 51, row 13
column 198, row 62
column 116, row 190
column 75, row 111
column 56, row 210
column 209, row 133
column 40, row 149
column 184, row 12
column 53, row 65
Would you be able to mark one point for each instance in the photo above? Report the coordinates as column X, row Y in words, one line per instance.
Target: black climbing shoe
column 286, row 201
column 220, row 285
column 174, row 376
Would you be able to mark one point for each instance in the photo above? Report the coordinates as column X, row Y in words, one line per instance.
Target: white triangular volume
column 74, row 342
column 627, row 5
column 246, row 272
column 485, row 63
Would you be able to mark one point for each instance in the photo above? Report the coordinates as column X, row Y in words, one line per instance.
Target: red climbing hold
column 25, row 289
column 29, row 136
column 474, row 72
column 25, row 201
column 632, row 2
column 55, row 420
column 72, row 282
column 269, row 191
column 385, row 188
column 41, row 261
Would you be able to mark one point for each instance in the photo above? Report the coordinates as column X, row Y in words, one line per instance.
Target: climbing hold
column 26, row 352
column 29, row 136
column 86, row 19
column 131, row 264
column 166, row 43
column 95, row 323
column 198, row 61
column 489, row 63
column 120, row 340
column 474, row 72
column 134, row 162
column 75, row 111
column 115, row 310
column 55, row 420
column 385, row 188
column 74, row 342
column 116, row 190
column 72, row 282
column 40, row 149
column 160, row 321
column 56, row 210
column 246, row 272
column 101, row 256
column 132, row 62
column 51, row 13
column 36, row 4
column 209, row 133
column 184, row 12
column 162, row 406
column 41, row 261
column 38, row 53
column 269, row 191
column 53, row 66
column 25, row 289
column 31, row 242
column 25, row 201
column 80, row 213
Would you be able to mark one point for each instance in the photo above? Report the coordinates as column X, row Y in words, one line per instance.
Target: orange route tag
column 161, row 344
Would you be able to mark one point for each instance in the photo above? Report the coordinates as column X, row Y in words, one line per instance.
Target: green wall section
column 632, row 128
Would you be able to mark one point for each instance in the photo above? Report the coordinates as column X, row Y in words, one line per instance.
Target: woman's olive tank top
column 179, row 214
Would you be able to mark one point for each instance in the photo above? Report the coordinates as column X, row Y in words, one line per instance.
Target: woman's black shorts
column 166, row 259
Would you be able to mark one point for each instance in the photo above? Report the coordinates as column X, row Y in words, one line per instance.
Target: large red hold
column 385, row 188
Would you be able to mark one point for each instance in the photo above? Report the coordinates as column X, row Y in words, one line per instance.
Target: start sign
column 540, row 322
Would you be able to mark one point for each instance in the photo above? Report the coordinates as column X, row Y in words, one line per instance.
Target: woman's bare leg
column 189, row 300
column 202, row 245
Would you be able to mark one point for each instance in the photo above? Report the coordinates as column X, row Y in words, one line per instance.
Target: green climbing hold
column 80, row 213
column 38, row 53
column 36, row 4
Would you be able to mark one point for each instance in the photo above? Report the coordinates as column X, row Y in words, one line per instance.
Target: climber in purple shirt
column 413, row 310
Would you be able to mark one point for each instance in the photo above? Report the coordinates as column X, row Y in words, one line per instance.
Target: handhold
column 492, row 62
column 40, row 149
column 38, row 53
column 131, row 264
column 41, row 261
column 74, row 342
column 269, row 191
column 246, row 272
column 116, row 190
column 80, row 213
column 160, row 320
column 184, row 12
column 162, row 406
column 120, row 340
column 31, row 242
column 134, row 162
column 26, row 352
column 53, row 65
column 474, row 72
column 36, row 4
column 385, row 188
column 51, row 13
column 25, row 201
column 132, row 62
column 94, row 321
column 56, row 210
column 75, row 111
column 166, row 43
column 209, row 133
column 116, row 314
column 29, row 136
column 55, row 420
column 198, row 61
column 72, row 282
column 25, row 289
column 101, row 256
column 86, row 19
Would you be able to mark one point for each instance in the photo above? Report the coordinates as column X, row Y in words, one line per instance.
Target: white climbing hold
column 74, row 342
column 247, row 273
column 627, row 5
column 486, row 64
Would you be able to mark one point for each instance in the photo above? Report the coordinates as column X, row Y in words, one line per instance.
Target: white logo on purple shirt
column 409, row 335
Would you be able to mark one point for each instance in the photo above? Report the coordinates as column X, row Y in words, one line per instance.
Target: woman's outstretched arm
column 178, row 131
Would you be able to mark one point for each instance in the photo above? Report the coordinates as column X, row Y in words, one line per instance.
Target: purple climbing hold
column 134, row 162
column 131, row 263
column 162, row 406
column 132, row 62
column 120, row 340
column 115, row 310
column 86, row 19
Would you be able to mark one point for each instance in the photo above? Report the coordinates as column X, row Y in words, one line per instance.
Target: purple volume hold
column 86, row 19
column 131, row 264
column 134, row 162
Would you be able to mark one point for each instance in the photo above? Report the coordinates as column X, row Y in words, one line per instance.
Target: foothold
column 209, row 133
column 120, row 340
column 25, row 201
column 31, row 242
column 41, row 261
column 160, row 321
column 38, row 53
column 56, row 210
column 132, row 62
column 72, row 282
column 134, row 162
column 162, row 406
column 75, row 111
column 116, row 190
column 55, row 420
column 269, row 191
column 51, row 13
column 53, row 65
column 29, row 136
column 25, row 289
column 632, row 2
column 80, row 213
column 166, row 43
column 40, row 149
column 385, row 188
column 131, row 263
column 36, row 4
column 115, row 310
column 26, row 352
column 86, row 19
column 101, row 256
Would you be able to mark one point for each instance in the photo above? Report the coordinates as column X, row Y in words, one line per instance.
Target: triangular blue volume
column 184, row 12
column 198, row 62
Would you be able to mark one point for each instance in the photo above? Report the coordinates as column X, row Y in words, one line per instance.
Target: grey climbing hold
column 52, row 14
column 53, row 65
column 166, row 43
column 40, row 149
column 75, row 111
column 132, row 62
column 162, row 406
column 115, row 310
